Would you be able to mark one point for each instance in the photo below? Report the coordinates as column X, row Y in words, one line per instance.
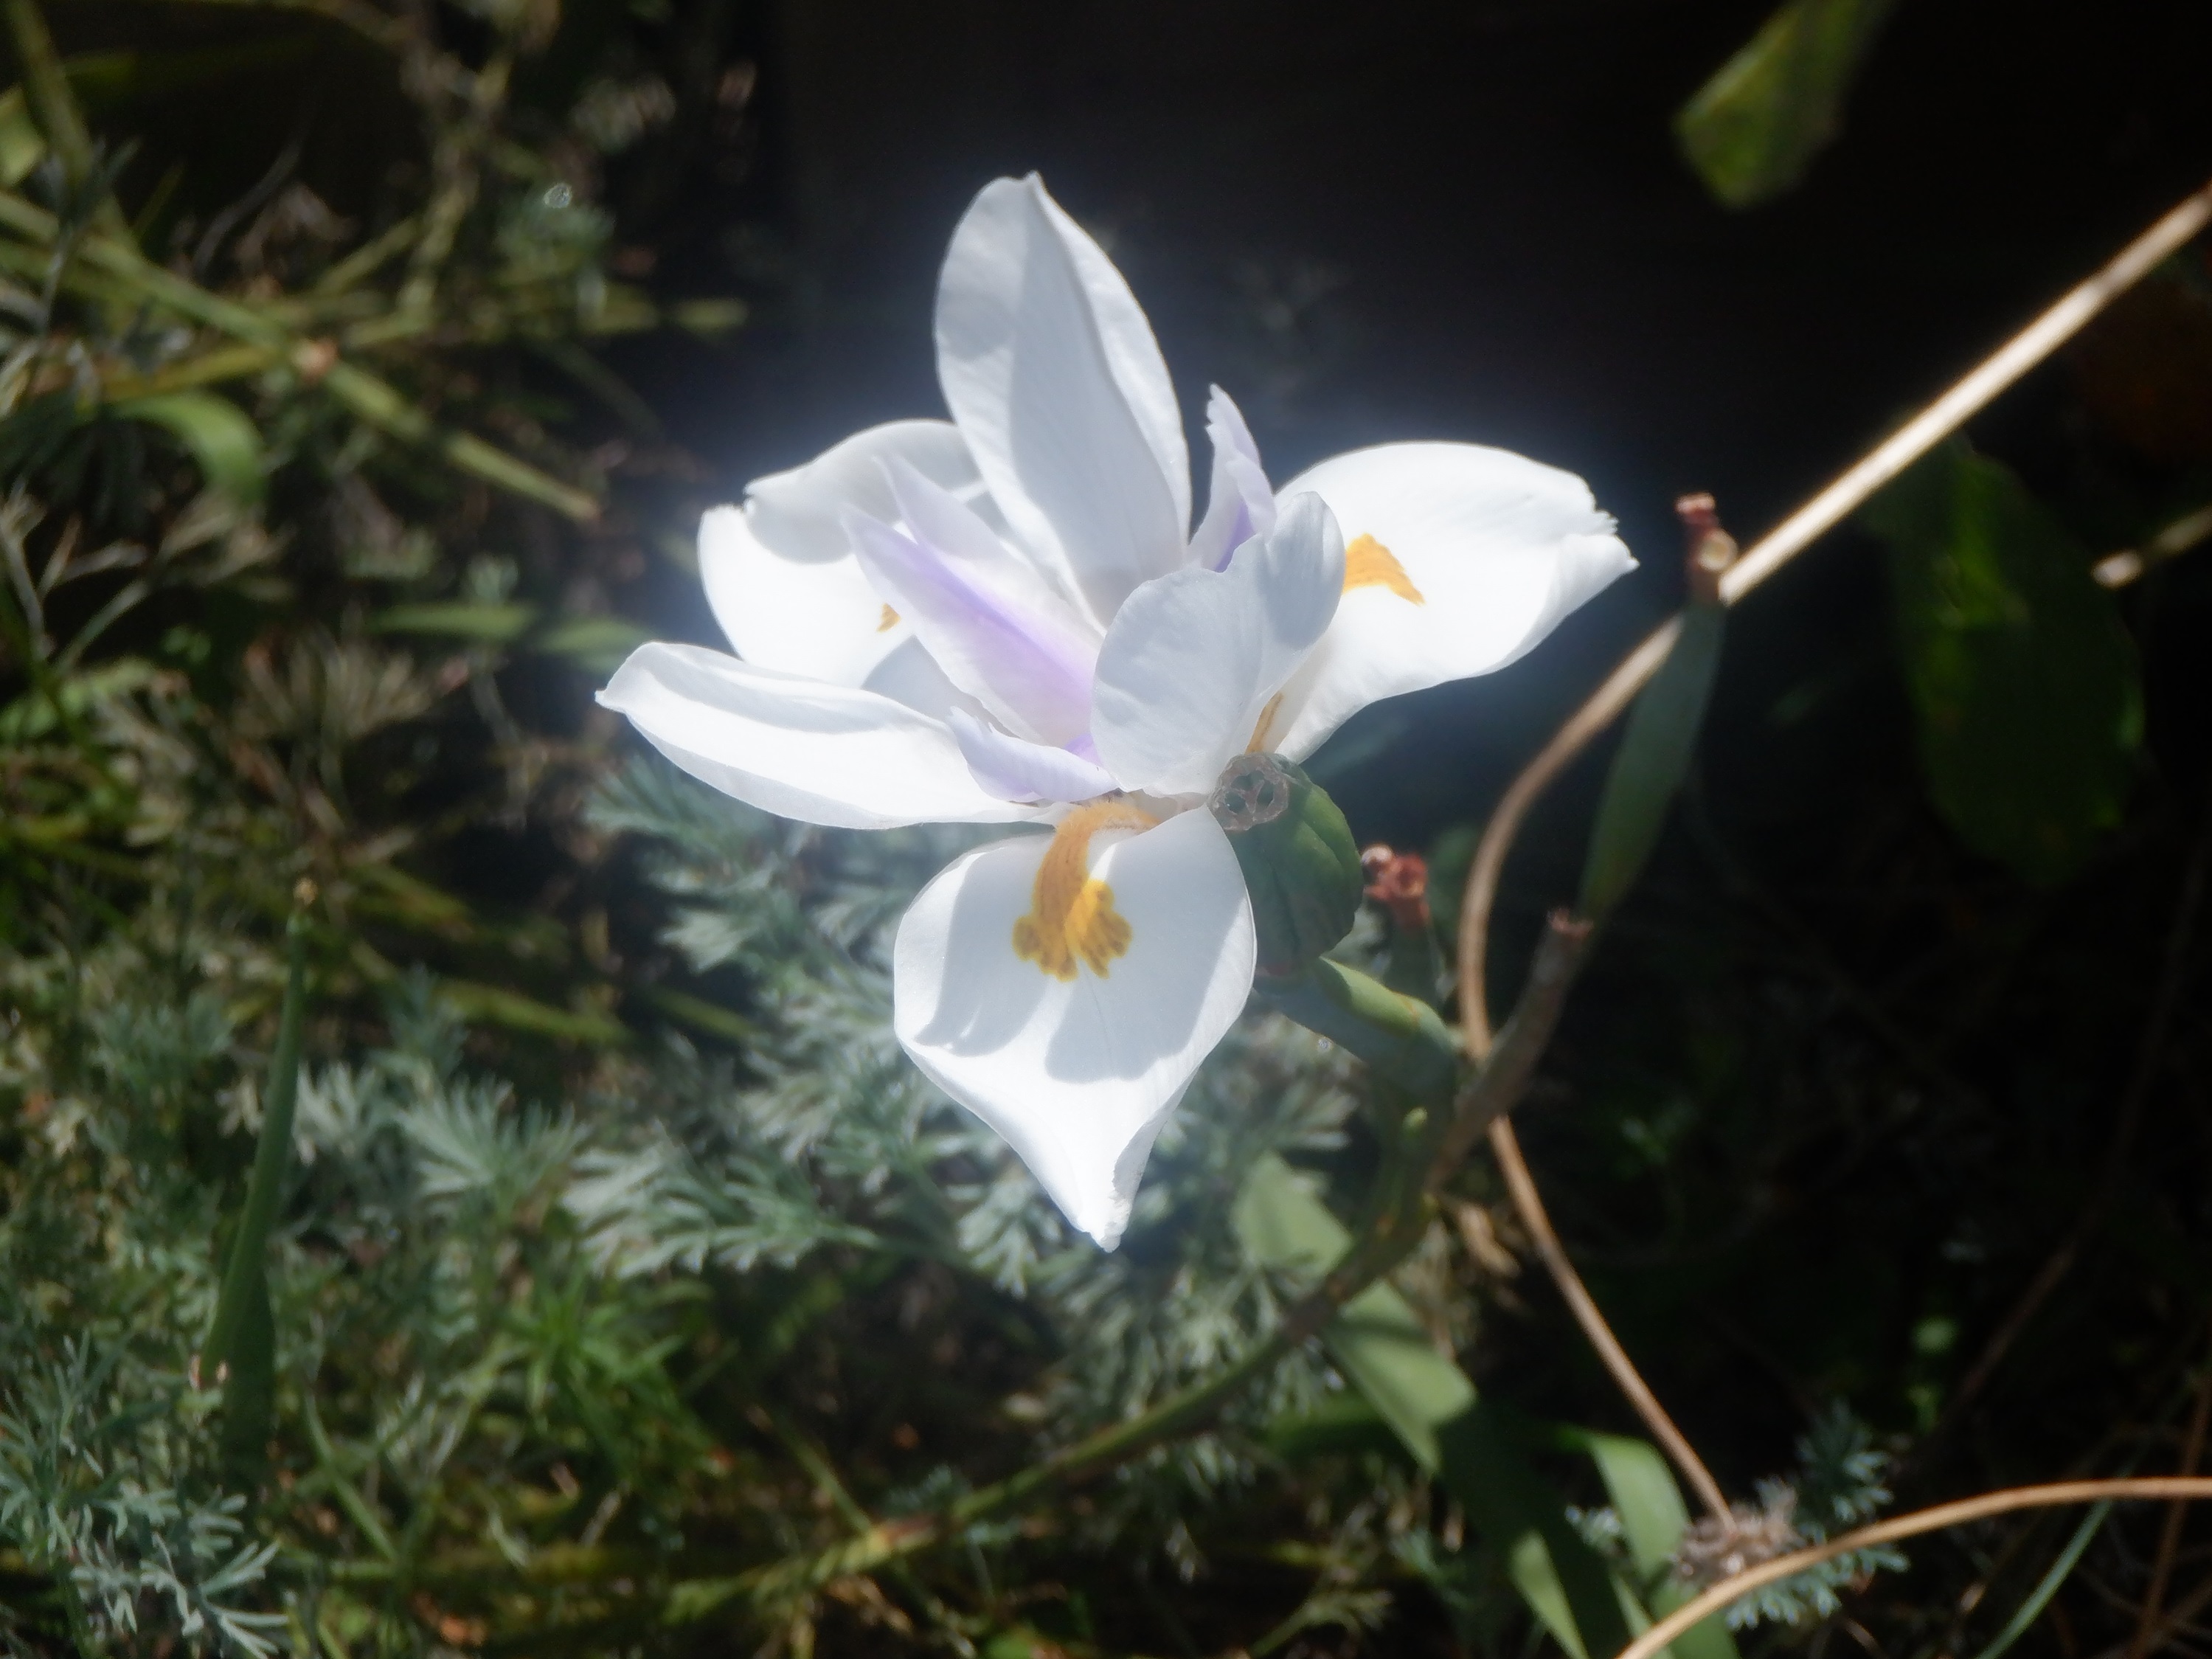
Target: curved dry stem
column 1850, row 491
column 1605, row 704
column 1603, row 707
column 1968, row 398
column 1506, row 1145
column 2174, row 1488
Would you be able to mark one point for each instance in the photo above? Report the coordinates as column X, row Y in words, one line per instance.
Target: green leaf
column 225, row 445
column 495, row 1005
column 1751, row 130
column 2024, row 682
column 32, row 716
column 242, row 1337
column 1380, row 1346
column 595, row 644
column 486, row 620
column 1652, row 1519
column 249, row 1388
column 1653, row 758
column 106, row 81
column 23, row 146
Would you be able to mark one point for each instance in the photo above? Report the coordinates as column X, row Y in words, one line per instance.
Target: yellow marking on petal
column 891, row 620
column 1072, row 916
column 1264, row 725
column 1368, row 563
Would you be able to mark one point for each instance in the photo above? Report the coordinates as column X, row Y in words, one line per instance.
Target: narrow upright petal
column 1054, row 379
column 1190, row 669
column 1065, row 988
column 778, row 573
column 1239, row 504
column 1457, row 560
column 1014, row 769
column 822, row 754
column 998, row 630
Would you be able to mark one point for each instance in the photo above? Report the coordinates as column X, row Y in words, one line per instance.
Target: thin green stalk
column 358, row 265
column 2029, row 1611
column 245, row 1269
column 341, row 1488
column 53, row 106
column 369, row 397
column 456, row 165
column 366, row 20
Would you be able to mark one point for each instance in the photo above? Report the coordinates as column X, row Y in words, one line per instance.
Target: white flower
column 1006, row 618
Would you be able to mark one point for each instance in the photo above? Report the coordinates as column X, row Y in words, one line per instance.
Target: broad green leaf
column 1751, row 130
column 2024, row 682
column 1378, row 1342
column 225, row 444
column 491, row 621
column 1653, row 758
column 23, row 146
column 1652, row 1519
column 1341, row 1423
column 595, row 644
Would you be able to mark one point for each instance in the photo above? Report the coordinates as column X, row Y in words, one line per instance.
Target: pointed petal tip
column 1076, row 1076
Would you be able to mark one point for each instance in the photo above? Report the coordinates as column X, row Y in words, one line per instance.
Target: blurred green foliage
column 1751, row 130
column 2023, row 681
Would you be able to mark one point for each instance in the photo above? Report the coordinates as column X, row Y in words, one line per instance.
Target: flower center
column 1072, row 915
column 1368, row 563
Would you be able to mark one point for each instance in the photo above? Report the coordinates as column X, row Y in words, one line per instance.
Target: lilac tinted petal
column 1017, row 771
column 1239, row 504
column 1021, row 662
column 952, row 524
column 778, row 573
column 1190, row 664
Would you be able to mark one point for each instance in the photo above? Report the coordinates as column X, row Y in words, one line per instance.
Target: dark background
column 1466, row 221
column 1394, row 221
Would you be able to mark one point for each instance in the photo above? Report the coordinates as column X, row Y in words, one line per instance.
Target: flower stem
column 369, row 399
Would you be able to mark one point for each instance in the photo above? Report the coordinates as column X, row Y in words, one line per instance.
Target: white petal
column 1238, row 503
column 778, row 573
column 1015, row 769
column 1079, row 1074
column 910, row 675
column 1495, row 549
column 1189, row 666
column 824, row 754
column 998, row 631
column 1056, row 381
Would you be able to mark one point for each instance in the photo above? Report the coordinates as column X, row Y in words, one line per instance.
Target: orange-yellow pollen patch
column 1368, row 563
column 1072, row 916
column 1264, row 726
column 891, row 620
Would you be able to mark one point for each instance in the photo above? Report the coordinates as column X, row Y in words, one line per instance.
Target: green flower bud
column 1300, row 865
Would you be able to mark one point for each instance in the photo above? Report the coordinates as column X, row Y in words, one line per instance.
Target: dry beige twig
column 2176, row 1488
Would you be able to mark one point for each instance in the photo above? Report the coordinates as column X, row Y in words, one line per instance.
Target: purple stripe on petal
column 1239, row 503
column 1033, row 675
column 1015, row 770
